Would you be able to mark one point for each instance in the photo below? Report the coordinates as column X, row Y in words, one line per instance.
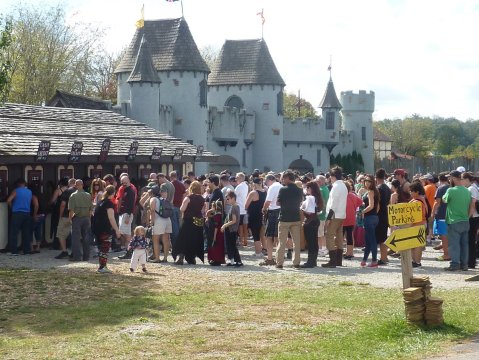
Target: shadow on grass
column 87, row 301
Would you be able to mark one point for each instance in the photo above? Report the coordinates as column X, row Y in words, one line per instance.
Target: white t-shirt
column 272, row 195
column 338, row 197
column 475, row 195
column 309, row 204
column 241, row 192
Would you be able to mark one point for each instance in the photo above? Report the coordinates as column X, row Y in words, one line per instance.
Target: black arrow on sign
column 419, row 236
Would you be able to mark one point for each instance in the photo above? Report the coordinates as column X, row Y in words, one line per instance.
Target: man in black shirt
column 64, row 226
column 290, row 197
column 382, row 227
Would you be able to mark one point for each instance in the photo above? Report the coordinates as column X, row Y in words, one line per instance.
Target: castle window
column 265, row 106
column 234, row 101
column 363, row 133
column 330, row 120
column 279, row 103
column 318, row 157
column 243, row 159
column 203, row 93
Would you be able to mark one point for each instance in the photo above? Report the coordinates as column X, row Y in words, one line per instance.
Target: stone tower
column 357, row 116
column 330, row 107
column 245, row 77
column 182, row 109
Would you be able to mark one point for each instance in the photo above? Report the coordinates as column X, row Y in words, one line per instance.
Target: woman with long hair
column 370, row 216
column 189, row 243
column 104, row 224
column 353, row 202
column 254, row 205
column 311, row 207
column 96, row 190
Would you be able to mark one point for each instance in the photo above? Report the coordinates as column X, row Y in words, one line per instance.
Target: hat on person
column 153, row 176
column 455, row 174
column 428, row 177
column 151, row 184
column 256, row 171
column 155, row 189
column 461, row 169
column 401, row 172
column 232, row 178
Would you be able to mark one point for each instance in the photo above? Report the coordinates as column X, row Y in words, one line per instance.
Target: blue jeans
column 20, row 221
column 370, row 223
column 175, row 224
column 458, row 243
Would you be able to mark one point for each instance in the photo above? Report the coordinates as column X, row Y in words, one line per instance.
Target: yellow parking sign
column 404, row 213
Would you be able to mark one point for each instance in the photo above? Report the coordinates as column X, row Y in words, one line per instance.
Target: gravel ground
column 383, row 277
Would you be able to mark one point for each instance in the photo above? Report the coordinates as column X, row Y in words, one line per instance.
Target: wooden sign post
column 404, row 239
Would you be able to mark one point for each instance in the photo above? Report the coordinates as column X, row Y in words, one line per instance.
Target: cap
column 461, row 169
column 427, row 177
column 399, row 172
column 256, row 171
column 455, row 174
column 151, row 184
column 153, row 176
column 155, row 190
column 232, row 178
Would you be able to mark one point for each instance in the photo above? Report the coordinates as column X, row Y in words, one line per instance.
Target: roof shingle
column 22, row 127
column 144, row 70
column 245, row 62
column 171, row 45
column 69, row 100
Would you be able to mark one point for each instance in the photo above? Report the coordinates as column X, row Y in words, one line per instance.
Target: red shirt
column 352, row 203
column 179, row 193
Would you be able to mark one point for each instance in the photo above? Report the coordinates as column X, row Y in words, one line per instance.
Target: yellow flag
column 140, row 23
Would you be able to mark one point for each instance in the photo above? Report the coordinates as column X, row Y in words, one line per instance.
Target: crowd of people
column 182, row 220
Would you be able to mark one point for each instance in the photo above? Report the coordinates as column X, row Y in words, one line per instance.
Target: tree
column 295, row 108
column 209, row 54
column 5, row 65
column 49, row 54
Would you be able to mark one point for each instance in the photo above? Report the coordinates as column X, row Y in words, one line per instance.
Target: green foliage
column 350, row 163
column 51, row 53
column 5, row 65
column 422, row 136
column 292, row 110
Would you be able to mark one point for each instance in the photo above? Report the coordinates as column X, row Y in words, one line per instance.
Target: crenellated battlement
column 360, row 101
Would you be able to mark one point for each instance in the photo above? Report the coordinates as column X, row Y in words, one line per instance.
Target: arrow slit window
column 330, row 120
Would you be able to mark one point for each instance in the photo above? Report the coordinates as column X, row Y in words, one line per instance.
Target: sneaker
column 465, row 268
column 278, row 266
column 348, row 257
column 144, row 270
column 267, row 262
column 105, row 270
column 438, row 247
column 131, row 270
column 296, row 266
column 416, row 265
column 239, row 264
column 442, row 258
column 452, row 268
column 322, row 252
column 381, row 262
column 363, row 263
column 12, row 254
column 62, row 255
column 373, row 264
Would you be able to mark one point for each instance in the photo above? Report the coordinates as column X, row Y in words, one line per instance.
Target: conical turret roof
column 245, row 62
column 171, row 46
column 330, row 100
column 144, row 70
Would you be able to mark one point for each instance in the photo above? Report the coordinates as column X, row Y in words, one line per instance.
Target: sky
column 417, row 56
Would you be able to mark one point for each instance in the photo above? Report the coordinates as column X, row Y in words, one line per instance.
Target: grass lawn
column 58, row 314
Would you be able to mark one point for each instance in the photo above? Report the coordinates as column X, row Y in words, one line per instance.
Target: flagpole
column 182, row 14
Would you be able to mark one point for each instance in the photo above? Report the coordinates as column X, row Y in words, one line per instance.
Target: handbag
column 358, row 236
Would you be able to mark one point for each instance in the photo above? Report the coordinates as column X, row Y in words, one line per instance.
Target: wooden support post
column 406, row 268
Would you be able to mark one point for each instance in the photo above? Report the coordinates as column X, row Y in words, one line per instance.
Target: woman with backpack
column 160, row 223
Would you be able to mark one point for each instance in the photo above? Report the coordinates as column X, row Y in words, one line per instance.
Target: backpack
column 166, row 209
